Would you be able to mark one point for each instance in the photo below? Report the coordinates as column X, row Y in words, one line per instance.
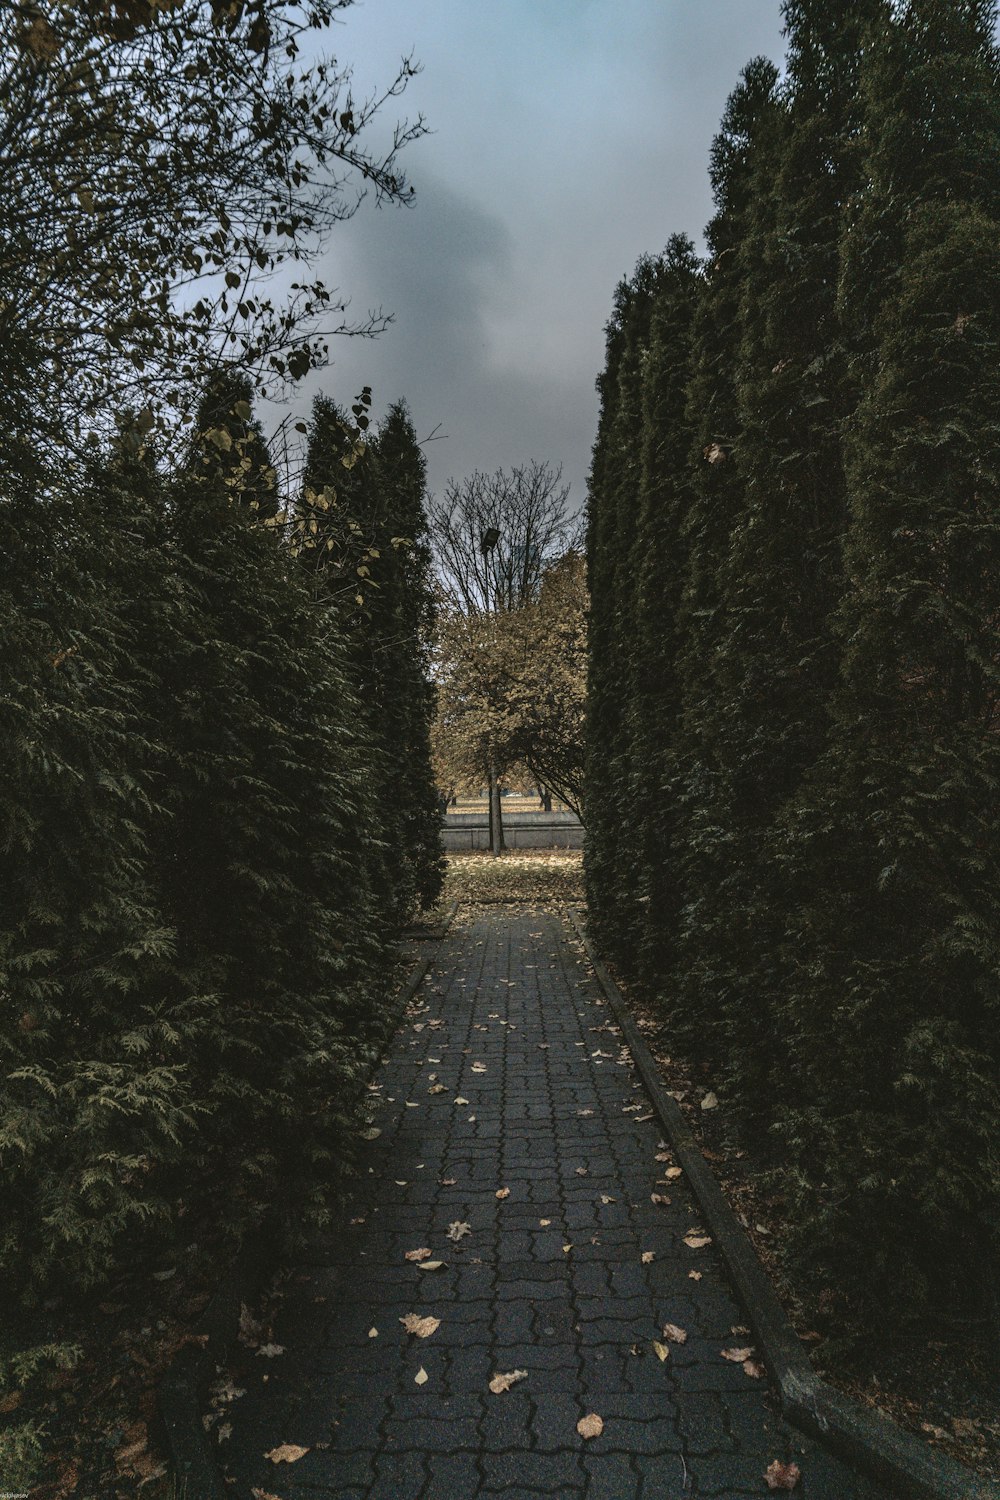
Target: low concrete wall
column 541, row 830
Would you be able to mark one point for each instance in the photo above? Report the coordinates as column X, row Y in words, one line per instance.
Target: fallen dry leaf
column 503, row 1192
column 436, row 1088
column 432, row 1265
column 662, row 1156
column 660, row 1198
column 286, row 1453
column 371, row 1134
column 709, row 1101
column 781, row 1476
column 582, row 1172
column 447, row 1181
column 674, row 1334
column 694, row 1275
column 661, row 1351
column 271, row 1351
column 590, row 1426
column 258, row 1494
column 754, row 1369
column 421, row 1254
column 567, row 1249
column 460, row 1100
column 606, row 1198
column 478, row 1067
column 422, row 1327
column 458, row 1229
column 647, row 1257
column 373, row 1333
column 421, row 1377
column 501, row 1383
column 672, row 1173
column 697, row 1241
column 736, row 1356
column 545, row 1223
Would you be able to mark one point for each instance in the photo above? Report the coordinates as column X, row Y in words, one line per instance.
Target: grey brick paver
column 511, row 1021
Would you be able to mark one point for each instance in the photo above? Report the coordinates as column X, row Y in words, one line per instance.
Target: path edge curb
column 180, row 1394
column 876, row 1445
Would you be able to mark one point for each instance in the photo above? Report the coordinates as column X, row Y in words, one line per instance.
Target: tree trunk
column 496, row 816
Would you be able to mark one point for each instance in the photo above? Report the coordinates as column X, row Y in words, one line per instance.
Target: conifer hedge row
column 794, row 712
column 217, row 808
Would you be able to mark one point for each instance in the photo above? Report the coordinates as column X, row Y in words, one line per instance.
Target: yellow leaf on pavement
column 422, row 1327
column 286, row 1453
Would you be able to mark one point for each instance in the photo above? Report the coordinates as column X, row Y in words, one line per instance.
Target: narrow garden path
column 517, row 1147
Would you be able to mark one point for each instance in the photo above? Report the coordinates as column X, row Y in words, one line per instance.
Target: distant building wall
column 556, row 830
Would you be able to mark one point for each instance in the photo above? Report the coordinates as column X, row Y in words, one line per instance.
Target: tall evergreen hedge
column 371, row 555
column 194, row 947
column 794, row 516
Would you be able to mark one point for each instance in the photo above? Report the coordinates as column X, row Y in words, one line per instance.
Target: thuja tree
column 896, row 1015
column 702, row 792
column 659, row 564
column 262, row 867
column 363, row 542
column 190, row 951
column 782, row 575
column 401, row 622
column 613, row 498
column 97, row 1023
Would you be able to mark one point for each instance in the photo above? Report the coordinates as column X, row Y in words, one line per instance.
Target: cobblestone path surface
column 517, row 1147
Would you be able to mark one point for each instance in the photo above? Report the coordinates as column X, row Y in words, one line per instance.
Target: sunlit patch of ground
column 516, row 803
column 524, row 875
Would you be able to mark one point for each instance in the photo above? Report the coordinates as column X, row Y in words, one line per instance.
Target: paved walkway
column 517, row 1147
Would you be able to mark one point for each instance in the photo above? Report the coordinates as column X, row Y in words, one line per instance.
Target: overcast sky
column 568, row 138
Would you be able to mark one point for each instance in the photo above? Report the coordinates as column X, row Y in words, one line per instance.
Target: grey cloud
column 445, row 269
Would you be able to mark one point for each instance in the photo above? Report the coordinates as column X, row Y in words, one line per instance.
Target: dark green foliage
column 659, row 573
column 780, row 572
column 369, row 554
column 898, row 826
column 703, row 789
column 96, row 1024
column 404, row 621
column 794, row 554
column 612, row 515
column 193, row 945
column 229, row 445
